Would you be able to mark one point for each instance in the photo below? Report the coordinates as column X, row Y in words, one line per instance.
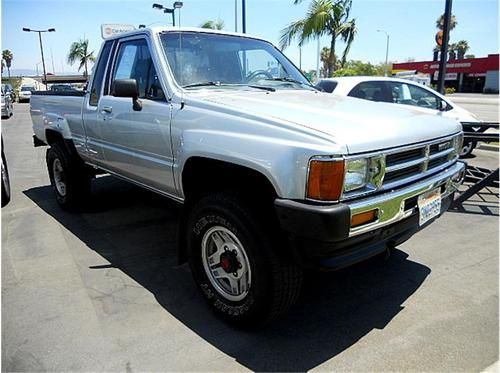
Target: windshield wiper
column 202, row 84
column 289, row 80
column 218, row 84
column 269, row 89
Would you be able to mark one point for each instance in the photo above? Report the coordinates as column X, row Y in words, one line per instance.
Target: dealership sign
column 109, row 30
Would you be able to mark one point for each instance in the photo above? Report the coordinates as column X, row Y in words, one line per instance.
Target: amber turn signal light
column 363, row 218
column 326, row 180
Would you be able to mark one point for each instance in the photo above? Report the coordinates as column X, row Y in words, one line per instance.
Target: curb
column 492, row 148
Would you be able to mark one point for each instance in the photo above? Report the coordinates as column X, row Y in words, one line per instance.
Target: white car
column 25, row 93
column 399, row 91
column 6, row 100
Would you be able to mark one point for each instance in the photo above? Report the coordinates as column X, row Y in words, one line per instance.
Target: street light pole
column 41, row 49
column 386, row 67
column 176, row 5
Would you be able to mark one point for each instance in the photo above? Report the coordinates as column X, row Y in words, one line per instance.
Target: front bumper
column 322, row 235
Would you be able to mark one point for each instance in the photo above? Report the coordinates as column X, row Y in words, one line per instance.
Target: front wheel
column 5, row 181
column 237, row 263
column 467, row 149
column 68, row 176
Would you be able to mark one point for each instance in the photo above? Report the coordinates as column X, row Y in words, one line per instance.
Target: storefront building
column 465, row 75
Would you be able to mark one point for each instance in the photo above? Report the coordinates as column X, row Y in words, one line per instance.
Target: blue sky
column 410, row 23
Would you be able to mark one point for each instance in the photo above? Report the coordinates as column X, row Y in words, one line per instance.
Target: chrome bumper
column 391, row 205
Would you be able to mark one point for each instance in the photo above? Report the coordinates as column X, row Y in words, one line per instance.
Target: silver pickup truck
column 274, row 176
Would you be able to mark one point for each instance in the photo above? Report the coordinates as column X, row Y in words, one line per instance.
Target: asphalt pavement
column 101, row 290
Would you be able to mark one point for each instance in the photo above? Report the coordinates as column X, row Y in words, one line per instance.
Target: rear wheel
column 69, row 177
column 237, row 263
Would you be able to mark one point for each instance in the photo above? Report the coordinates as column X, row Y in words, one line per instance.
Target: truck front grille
column 407, row 164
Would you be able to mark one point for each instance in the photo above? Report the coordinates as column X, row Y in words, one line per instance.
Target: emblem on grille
column 444, row 145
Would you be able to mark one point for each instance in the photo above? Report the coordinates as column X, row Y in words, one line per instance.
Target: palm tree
column 78, row 51
column 214, row 25
column 324, row 17
column 440, row 22
column 324, row 55
column 462, row 48
column 435, row 52
column 452, row 51
column 7, row 57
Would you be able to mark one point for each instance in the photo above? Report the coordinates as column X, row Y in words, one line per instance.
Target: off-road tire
column 276, row 279
column 76, row 177
column 5, row 181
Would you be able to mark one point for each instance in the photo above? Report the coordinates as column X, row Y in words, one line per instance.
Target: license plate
column 429, row 206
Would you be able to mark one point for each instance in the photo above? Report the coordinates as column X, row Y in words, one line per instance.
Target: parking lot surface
column 101, row 290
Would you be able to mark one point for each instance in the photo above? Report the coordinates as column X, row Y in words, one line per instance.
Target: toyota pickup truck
column 273, row 175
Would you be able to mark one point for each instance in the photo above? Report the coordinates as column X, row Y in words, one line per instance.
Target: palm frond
column 349, row 31
column 289, row 33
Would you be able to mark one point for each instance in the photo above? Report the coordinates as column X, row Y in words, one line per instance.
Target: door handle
column 107, row 110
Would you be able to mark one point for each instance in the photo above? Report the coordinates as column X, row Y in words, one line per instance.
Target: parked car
column 6, row 102
column 10, row 91
column 25, row 93
column 5, row 180
column 400, row 91
column 61, row 87
column 273, row 175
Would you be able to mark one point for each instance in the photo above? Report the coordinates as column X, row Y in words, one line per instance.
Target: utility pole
column 243, row 16
column 444, row 46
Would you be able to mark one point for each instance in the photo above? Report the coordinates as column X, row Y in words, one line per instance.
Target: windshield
column 24, row 89
column 204, row 60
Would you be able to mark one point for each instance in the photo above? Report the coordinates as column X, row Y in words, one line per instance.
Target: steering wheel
column 256, row 73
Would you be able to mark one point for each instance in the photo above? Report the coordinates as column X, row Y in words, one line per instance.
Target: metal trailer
column 478, row 177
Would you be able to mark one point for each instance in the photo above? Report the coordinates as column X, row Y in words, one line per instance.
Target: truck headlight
column 458, row 143
column 355, row 174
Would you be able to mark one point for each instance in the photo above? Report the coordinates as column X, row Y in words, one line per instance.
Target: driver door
column 136, row 144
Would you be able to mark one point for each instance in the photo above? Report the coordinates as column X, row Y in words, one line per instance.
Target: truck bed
column 60, row 109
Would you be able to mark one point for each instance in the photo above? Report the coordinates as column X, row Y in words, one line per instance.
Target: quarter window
column 327, row 85
column 95, row 93
column 373, row 91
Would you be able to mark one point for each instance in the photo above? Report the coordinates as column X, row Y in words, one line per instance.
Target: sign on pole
column 439, row 38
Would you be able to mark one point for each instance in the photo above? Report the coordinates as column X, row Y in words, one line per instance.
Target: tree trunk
column 86, row 71
column 8, row 72
column 331, row 57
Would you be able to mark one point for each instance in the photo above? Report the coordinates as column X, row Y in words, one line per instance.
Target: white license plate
column 429, row 206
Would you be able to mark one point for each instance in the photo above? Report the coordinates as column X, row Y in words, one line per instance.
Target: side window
column 409, row 94
column 95, row 93
column 373, row 91
column 423, row 97
column 134, row 62
column 327, row 85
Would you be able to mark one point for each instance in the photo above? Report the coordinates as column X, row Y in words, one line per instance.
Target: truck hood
column 360, row 125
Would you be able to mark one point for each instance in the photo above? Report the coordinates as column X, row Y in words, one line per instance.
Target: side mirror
column 127, row 88
column 443, row 105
